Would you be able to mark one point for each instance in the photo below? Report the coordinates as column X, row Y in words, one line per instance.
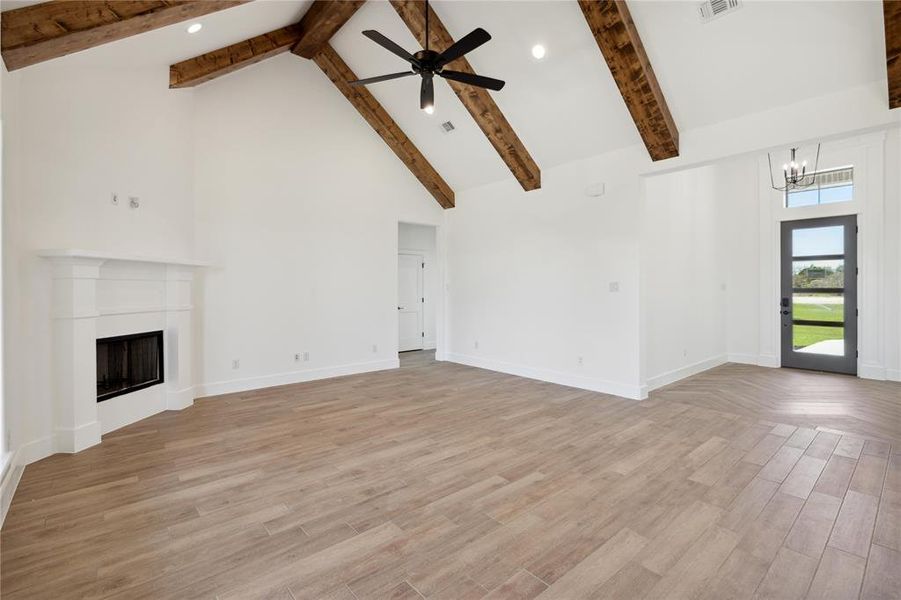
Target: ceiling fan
column 428, row 63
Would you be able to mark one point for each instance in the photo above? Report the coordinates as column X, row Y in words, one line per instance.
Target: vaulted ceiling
column 566, row 106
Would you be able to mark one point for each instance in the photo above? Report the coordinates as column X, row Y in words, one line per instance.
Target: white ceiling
column 567, row 106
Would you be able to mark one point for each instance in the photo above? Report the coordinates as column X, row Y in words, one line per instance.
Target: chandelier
column 794, row 173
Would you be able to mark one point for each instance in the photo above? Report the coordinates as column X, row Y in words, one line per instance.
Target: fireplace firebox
column 128, row 363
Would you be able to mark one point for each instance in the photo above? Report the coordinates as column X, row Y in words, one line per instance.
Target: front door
column 819, row 294
column 409, row 301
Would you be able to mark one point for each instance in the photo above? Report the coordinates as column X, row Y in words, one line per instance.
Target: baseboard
column 743, row 359
column 658, row 381
column 8, row 484
column 35, row 450
column 78, row 438
column 15, row 466
column 872, row 372
column 179, row 399
column 893, row 375
column 265, row 381
column 768, row 360
column 593, row 384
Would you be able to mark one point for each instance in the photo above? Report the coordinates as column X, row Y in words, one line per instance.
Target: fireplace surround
column 102, row 296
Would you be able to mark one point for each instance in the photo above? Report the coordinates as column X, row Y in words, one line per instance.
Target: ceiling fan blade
column 467, row 43
column 390, row 46
column 472, row 79
column 427, row 93
column 369, row 80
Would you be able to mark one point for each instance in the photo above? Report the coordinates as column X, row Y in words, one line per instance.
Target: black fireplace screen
column 128, row 362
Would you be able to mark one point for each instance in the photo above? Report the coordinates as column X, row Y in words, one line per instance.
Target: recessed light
column 195, row 27
column 538, row 51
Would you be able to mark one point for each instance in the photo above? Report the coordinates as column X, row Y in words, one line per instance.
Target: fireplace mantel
column 105, row 256
column 102, row 294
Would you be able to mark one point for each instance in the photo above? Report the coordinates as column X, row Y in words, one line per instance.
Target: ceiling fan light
column 429, row 109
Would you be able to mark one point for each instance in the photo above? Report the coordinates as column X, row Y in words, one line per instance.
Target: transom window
column 832, row 186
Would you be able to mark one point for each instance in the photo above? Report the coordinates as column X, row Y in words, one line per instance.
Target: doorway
column 819, row 294
column 417, row 287
column 410, row 301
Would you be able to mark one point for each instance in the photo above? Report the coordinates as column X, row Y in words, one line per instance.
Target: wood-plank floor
column 445, row 481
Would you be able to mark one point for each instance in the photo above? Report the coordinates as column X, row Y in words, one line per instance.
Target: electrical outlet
column 297, row 357
column 306, row 357
column 580, row 361
column 685, row 352
column 476, row 344
column 236, row 364
column 375, row 348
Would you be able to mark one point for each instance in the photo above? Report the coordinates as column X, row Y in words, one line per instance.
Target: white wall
column 298, row 202
column 683, row 275
column 530, row 274
column 422, row 239
column 75, row 136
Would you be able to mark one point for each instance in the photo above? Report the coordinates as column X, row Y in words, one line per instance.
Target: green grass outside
column 805, row 335
column 820, row 312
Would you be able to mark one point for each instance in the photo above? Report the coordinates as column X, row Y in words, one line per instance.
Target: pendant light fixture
column 795, row 174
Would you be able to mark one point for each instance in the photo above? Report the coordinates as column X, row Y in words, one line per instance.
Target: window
column 834, row 185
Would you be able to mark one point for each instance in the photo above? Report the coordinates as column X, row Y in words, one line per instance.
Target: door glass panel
column 814, row 274
column 817, row 241
column 816, row 339
column 818, row 323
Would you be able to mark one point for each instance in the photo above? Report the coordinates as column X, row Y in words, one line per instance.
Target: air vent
column 447, row 127
column 713, row 9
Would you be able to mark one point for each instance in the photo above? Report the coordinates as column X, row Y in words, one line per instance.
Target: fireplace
column 128, row 363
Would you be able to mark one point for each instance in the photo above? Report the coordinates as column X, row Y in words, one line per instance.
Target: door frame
column 439, row 302
column 866, row 153
column 421, row 259
column 847, row 363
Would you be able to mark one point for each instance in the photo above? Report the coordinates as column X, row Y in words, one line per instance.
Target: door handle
column 400, row 308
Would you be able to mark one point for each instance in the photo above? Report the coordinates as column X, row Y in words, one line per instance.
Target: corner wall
column 683, row 275
column 302, row 235
column 72, row 137
column 545, row 284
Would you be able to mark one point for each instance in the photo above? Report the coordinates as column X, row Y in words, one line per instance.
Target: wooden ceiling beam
column 477, row 101
column 304, row 38
column 615, row 33
column 891, row 11
column 339, row 73
column 41, row 32
column 323, row 20
column 217, row 63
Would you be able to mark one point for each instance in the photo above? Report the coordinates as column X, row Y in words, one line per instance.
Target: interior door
column 819, row 294
column 410, row 301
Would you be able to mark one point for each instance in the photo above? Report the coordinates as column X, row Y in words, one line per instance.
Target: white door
column 409, row 301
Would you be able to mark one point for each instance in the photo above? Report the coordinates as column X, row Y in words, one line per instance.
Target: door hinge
column 423, row 265
column 857, row 270
column 422, row 300
column 857, row 354
column 856, row 312
column 423, row 334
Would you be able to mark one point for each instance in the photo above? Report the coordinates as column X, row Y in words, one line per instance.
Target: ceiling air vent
column 712, row 9
column 447, row 127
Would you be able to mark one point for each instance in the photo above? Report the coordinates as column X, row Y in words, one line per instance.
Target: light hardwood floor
column 444, row 481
